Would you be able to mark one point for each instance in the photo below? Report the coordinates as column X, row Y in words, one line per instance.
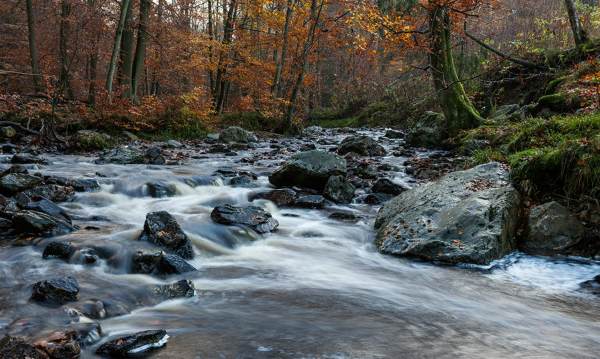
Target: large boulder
column 362, row 145
column 122, row 156
column 90, row 140
column 310, row 169
column 465, row 217
column 252, row 217
column 429, row 131
column 552, row 230
column 16, row 182
column 162, row 229
column 56, row 291
column 339, row 190
column 236, row 135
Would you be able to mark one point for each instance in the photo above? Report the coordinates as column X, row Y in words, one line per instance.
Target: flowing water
column 316, row 288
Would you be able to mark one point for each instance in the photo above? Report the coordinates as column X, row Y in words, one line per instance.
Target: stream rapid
column 316, row 288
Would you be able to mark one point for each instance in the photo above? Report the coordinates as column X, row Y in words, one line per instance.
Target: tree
column 276, row 88
column 579, row 34
column 126, row 55
column 63, row 54
column 112, row 66
column 33, row 54
column 140, row 48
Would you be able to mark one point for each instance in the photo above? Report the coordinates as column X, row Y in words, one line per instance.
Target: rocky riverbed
column 246, row 247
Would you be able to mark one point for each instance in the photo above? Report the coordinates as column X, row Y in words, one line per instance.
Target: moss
column 553, row 85
column 486, row 155
column 553, row 100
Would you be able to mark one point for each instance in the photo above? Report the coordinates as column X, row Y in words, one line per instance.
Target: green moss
column 486, row 155
column 555, row 99
column 553, row 85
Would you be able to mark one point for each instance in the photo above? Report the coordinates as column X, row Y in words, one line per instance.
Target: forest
column 299, row 178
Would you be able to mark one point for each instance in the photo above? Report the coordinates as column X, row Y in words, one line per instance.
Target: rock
column 181, row 289
column 242, row 180
column 17, row 348
column 393, row 134
column 465, row 217
column 552, row 230
column 174, row 144
column 511, row 112
column 309, row 169
column 39, row 223
column 592, row 285
column 27, row 158
column 311, row 202
column 93, row 309
column 339, row 190
column 134, row 345
column 7, row 132
column 121, row 156
column 236, row 134
column 386, row 186
column 56, row 291
column 130, row 136
column 84, row 184
column 86, row 256
column 163, row 230
column 253, row 217
column 159, row 263
column 161, row 189
column 17, row 182
column 8, row 148
column 40, row 204
column 154, row 156
column 91, row 140
column 281, row 197
column 54, row 193
column 196, row 181
column 60, row 345
column 429, row 131
column 376, row 198
column 312, row 131
column 344, row 216
column 362, row 145
column 365, row 170
column 61, row 250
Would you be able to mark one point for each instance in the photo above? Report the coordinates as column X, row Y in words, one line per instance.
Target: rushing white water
column 316, row 288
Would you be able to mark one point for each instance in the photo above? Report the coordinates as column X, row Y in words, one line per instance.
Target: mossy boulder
column 429, row 131
column 236, row 135
column 88, row 140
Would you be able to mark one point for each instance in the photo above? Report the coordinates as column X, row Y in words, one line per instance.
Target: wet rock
column 121, row 156
column 60, row 345
column 281, row 197
column 344, row 216
column 88, row 140
column 39, row 223
column 236, row 134
column 60, row 250
column 154, row 156
column 309, row 169
column 8, row 148
column 86, row 256
column 430, row 131
column 468, row 216
column 311, row 202
column 174, row 144
column 16, row 182
column 376, row 198
column 84, row 184
column 181, row 289
column 56, row 291
column 393, row 134
column 365, row 170
column 52, row 192
column 592, row 285
column 88, row 333
column 242, row 180
column 93, row 309
column 552, row 230
column 196, row 181
column 27, row 158
column 7, row 132
column 160, row 189
column 362, row 145
column 386, row 186
column 163, row 230
column 41, row 204
column 17, row 348
column 159, row 263
column 253, row 217
column 339, row 190
column 134, row 345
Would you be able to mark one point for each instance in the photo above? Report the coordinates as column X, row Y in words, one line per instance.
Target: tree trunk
column 33, row 54
column 126, row 64
column 211, row 36
column 220, row 83
column 116, row 46
column 458, row 109
column 64, row 30
column 315, row 14
column 93, row 60
column 276, row 89
column 140, row 48
column 579, row 33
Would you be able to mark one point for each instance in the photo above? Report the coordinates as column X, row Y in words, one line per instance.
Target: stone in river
column 56, row 290
column 162, row 229
column 134, row 345
column 253, row 217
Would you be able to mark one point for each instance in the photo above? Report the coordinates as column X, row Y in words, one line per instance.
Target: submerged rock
column 592, row 285
column 60, row 345
column 339, row 190
column 60, row 250
column 133, row 345
column 160, row 189
column 253, row 217
column 236, row 134
column 311, row 201
column 281, row 197
column 159, row 263
column 56, row 291
column 27, row 158
column 362, row 145
column 469, row 216
column 181, row 289
column 552, row 230
column 310, row 169
column 163, row 230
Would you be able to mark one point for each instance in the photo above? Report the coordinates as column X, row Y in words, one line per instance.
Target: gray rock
column 17, row 182
column 163, row 230
column 362, row 145
column 91, row 140
column 339, row 190
column 310, row 169
column 61, row 250
column 17, row 348
column 236, row 134
column 465, row 217
column 429, row 131
column 121, row 156
column 312, row 201
column 133, row 345
column 27, row 158
column 253, row 217
column 174, row 144
column 160, row 189
column 181, row 289
column 552, row 230
column 386, row 186
column 281, row 197
column 56, row 291
column 196, row 181
column 394, row 134
column 159, row 263
column 154, row 156
column 39, row 223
